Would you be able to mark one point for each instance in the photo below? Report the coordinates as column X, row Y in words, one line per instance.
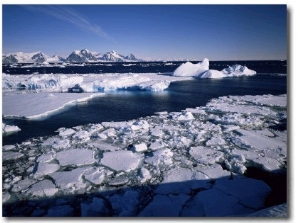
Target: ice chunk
column 238, row 70
column 121, row 160
column 138, row 125
column 56, row 142
column 117, row 125
column 11, row 155
column 189, row 69
column 45, row 169
column 76, row 157
column 185, row 116
column 156, row 131
column 215, row 141
column 82, row 135
column 119, row 180
column 111, row 132
column 181, row 180
column 70, row 180
column 256, row 159
column 140, row 147
column 45, row 158
column 214, row 171
column 255, row 139
column 66, row 132
column 165, row 206
column 205, row 155
column 162, row 156
column 95, row 175
column 157, row 145
column 22, row 185
column 9, row 128
column 8, row 147
column 144, row 175
column 43, row 188
column 154, row 85
column 211, row 74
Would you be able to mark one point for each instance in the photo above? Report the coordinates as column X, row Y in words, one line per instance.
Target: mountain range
column 77, row 56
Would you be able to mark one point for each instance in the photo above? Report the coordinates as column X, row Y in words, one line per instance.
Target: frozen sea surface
column 40, row 105
column 192, row 162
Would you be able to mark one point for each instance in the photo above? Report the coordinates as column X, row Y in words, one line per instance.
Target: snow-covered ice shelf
column 40, row 105
column 189, row 163
column 89, row 82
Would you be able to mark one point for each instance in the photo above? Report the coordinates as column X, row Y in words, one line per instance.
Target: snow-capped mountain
column 77, row 56
column 88, row 56
column 81, row 56
column 35, row 57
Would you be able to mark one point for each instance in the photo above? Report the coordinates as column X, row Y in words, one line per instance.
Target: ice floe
column 121, row 160
column 188, row 163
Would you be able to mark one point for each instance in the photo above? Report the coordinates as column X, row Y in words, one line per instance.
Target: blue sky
column 218, row 32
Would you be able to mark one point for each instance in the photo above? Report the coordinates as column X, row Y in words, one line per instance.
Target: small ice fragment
column 162, row 156
column 140, row 147
column 95, row 175
column 144, row 175
column 11, row 155
column 119, row 180
column 138, row 125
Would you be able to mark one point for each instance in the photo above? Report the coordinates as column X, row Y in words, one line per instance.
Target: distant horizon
column 150, row 32
column 178, row 59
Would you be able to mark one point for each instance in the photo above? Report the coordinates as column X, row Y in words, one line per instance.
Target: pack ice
column 188, row 163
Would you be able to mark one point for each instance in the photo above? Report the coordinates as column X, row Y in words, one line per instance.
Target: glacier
column 188, row 163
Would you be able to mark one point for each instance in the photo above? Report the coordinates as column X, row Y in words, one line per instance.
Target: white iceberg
column 211, row 74
column 191, row 70
column 238, row 70
column 9, row 128
column 201, row 70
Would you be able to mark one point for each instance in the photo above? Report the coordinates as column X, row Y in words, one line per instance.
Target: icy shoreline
column 188, row 163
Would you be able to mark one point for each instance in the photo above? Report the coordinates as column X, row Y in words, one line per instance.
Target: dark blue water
column 266, row 66
column 126, row 105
